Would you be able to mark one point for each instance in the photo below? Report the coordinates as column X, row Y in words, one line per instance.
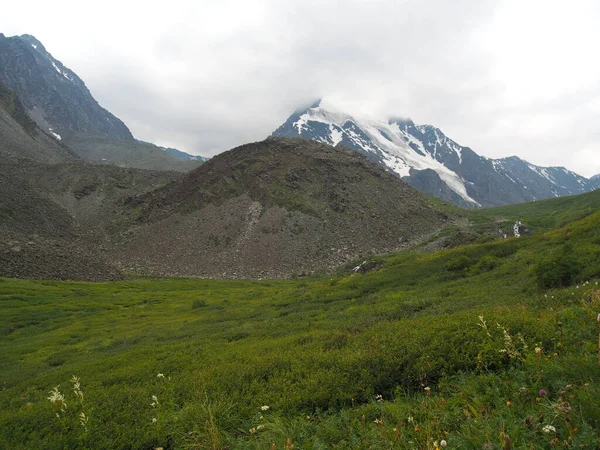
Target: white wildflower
column 265, row 408
column 483, row 324
column 83, row 419
column 77, row 387
column 57, row 398
column 443, row 443
column 549, row 429
column 160, row 375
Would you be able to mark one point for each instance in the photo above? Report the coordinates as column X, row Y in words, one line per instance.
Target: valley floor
column 492, row 345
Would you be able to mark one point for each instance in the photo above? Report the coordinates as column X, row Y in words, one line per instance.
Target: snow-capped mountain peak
column 397, row 143
column 426, row 158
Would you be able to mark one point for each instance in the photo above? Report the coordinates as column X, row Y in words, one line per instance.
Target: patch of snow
column 56, row 67
column 336, row 134
column 34, row 46
column 300, row 123
column 64, row 74
column 56, row 135
column 458, row 150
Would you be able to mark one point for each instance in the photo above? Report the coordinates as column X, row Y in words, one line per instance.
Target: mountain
column 427, row 159
column 20, row 137
column 56, row 98
column 61, row 105
column 183, row 155
column 271, row 209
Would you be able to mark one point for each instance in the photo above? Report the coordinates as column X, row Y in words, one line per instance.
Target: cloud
column 501, row 77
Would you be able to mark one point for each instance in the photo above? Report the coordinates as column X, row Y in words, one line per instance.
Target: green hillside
column 544, row 214
column 487, row 346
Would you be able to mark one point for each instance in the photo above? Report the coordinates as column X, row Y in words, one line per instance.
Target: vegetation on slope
column 396, row 358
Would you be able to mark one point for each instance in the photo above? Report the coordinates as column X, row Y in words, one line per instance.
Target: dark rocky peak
column 511, row 159
column 33, row 42
column 55, row 97
column 404, row 123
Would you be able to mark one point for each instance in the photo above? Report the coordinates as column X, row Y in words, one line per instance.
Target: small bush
column 198, row 304
column 459, row 263
column 558, row 270
column 485, row 264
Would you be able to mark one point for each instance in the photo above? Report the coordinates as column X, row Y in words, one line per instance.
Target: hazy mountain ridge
column 183, row 155
column 126, row 153
column 433, row 163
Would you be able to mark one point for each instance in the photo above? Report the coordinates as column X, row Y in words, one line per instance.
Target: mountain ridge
column 432, row 162
column 59, row 102
column 37, row 77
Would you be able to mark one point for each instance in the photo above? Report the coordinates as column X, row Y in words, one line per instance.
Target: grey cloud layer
column 208, row 76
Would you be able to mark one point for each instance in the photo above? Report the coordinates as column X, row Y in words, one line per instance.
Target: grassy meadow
column 491, row 345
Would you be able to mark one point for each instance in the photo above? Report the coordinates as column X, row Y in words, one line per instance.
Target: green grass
column 318, row 352
column 544, row 214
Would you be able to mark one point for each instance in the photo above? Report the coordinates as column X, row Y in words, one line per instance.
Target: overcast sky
column 514, row 77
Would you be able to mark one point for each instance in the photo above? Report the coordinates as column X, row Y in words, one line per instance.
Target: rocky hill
column 270, row 209
column 427, row 159
column 54, row 219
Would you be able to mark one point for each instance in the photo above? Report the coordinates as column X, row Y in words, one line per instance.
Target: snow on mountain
column 430, row 161
column 385, row 142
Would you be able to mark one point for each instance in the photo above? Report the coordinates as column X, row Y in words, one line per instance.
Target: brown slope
column 38, row 238
column 54, row 218
column 274, row 208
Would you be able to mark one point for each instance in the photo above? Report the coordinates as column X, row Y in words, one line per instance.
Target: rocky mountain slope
column 20, row 137
column 427, row 159
column 270, row 209
column 54, row 218
column 56, row 210
column 38, row 237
